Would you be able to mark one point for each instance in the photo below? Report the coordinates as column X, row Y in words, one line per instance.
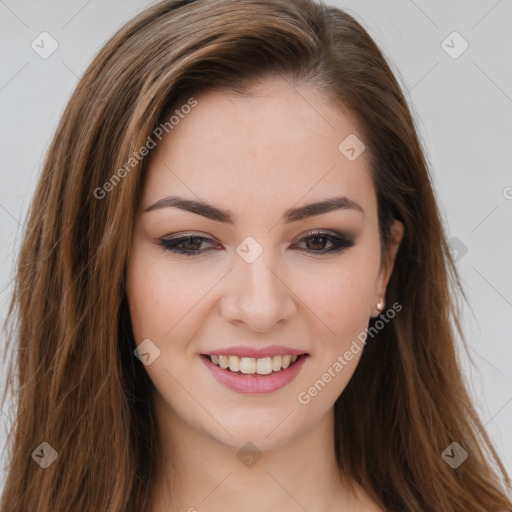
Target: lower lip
column 252, row 384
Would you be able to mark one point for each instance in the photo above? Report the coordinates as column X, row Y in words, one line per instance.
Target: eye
column 338, row 241
column 190, row 245
column 187, row 245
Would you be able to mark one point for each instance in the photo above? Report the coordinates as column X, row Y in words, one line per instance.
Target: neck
column 197, row 472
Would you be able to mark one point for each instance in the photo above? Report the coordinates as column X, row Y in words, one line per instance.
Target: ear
column 386, row 267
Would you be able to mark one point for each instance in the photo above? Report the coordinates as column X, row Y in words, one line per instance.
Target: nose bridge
column 257, row 280
column 257, row 294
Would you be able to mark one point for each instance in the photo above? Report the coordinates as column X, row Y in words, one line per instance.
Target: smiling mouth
column 254, row 366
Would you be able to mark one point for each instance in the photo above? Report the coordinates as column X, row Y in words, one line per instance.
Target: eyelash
column 339, row 241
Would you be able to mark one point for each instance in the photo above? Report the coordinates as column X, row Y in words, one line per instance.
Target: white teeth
column 276, row 363
column 264, row 366
column 248, row 365
column 234, row 363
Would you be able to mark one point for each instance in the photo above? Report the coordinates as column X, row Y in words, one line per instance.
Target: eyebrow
column 291, row 215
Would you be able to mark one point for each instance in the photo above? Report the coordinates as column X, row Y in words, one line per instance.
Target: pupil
column 318, row 246
column 195, row 245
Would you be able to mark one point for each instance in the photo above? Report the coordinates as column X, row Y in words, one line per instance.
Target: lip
column 245, row 351
column 251, row 384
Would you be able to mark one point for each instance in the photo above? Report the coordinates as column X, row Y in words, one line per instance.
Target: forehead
column 274, row 146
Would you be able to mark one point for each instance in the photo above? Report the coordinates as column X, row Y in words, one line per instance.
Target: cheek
column 167, row 301
column 346, row 306
column 157, row 298
column 343, row 299
column 343, row 307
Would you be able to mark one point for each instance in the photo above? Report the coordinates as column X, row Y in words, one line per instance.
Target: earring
column 380, row 305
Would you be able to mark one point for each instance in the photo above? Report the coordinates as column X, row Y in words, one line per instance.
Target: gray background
column 463, row 109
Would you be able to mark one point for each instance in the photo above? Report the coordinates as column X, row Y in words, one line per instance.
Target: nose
column 257, row 295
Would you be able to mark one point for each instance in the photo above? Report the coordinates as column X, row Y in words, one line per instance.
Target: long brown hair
column 76, row 382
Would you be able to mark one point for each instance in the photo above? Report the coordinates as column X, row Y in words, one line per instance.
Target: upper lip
column 257, row 353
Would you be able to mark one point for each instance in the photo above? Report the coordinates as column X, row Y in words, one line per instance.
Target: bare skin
column 256, row 156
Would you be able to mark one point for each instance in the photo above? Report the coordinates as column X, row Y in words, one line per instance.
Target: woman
column 233, row 292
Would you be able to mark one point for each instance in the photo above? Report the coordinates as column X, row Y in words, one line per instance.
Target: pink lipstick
column 253, row 383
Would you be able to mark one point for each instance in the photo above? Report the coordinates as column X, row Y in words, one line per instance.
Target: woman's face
column 255, row 281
